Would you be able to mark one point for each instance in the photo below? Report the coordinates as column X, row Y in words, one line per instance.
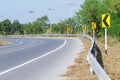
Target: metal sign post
column 105, row 24
column 84, row 29
column 105, row 40
column 84, row 32
column 93, row 28
column 93, row 34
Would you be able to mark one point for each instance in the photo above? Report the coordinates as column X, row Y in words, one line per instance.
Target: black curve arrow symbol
column 104, row 20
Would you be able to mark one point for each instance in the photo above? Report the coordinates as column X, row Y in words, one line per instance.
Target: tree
column 6, row 27
column 56, row 28
column 0, row 28
column 90, row 12
column 63, row 27
column 27, row 28
column 39, row 26
column 16, row 27
column 70, row 22
column 113, row 7
column 42, row 23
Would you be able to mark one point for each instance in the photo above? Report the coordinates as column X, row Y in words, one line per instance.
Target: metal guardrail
column 94, row 65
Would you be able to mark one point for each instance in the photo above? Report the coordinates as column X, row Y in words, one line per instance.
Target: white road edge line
column 11, row 69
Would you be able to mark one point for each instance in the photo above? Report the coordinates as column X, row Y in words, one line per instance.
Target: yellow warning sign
column 105, row 20
column 48, row 31
column 83, row 27
column 93, row 25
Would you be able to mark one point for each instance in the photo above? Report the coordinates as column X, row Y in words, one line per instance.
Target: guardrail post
column 91, row 70
column 93, row 49
column 93, row 53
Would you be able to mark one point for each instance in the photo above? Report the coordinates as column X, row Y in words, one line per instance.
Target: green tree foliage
column 16, row 27
column 70, row 22
column 6, row 27
column 0, row 28
column 37, row 27
column 56, row 28
column 92, row 10
column 27, row 28
column 41, row 24
column 63, row 27
column 113, row 7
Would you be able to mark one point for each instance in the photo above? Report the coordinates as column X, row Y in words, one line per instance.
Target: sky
column 19, row 9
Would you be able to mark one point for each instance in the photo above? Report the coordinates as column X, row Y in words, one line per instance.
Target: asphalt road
column 37, row 59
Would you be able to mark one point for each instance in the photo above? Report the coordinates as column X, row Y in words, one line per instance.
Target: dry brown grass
column 80, row 69
column 111, row 62
column 2, row 43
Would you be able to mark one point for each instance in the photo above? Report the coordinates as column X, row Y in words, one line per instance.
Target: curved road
column 37, row 59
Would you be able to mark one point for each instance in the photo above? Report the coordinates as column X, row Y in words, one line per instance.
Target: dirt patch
column 2, row 43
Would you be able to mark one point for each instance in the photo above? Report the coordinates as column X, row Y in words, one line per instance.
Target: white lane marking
column 18, row 48
column 21, row 42
column 11, row 69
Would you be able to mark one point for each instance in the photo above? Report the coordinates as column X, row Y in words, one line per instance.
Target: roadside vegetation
column 90, row 11
column 111, row 61
column 79, row 70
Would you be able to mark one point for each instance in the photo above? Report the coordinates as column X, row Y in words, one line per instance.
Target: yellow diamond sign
column 48, row 31
column 68, row 29
column 83, row 27
column 93, row 25
column 105, row 20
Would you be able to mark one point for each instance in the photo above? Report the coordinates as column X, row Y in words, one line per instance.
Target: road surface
column 37, row 58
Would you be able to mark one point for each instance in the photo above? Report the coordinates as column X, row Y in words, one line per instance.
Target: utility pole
column 71, row 5
column 51, row 9
column 31, row 12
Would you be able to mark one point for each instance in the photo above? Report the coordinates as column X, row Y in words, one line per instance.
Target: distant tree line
column 90, row 11
column 39, row 26
column 16, row 28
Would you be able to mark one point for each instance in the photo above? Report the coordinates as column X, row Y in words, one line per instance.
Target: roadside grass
column 80, row 69
column 111, row 61
column 2, row 43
